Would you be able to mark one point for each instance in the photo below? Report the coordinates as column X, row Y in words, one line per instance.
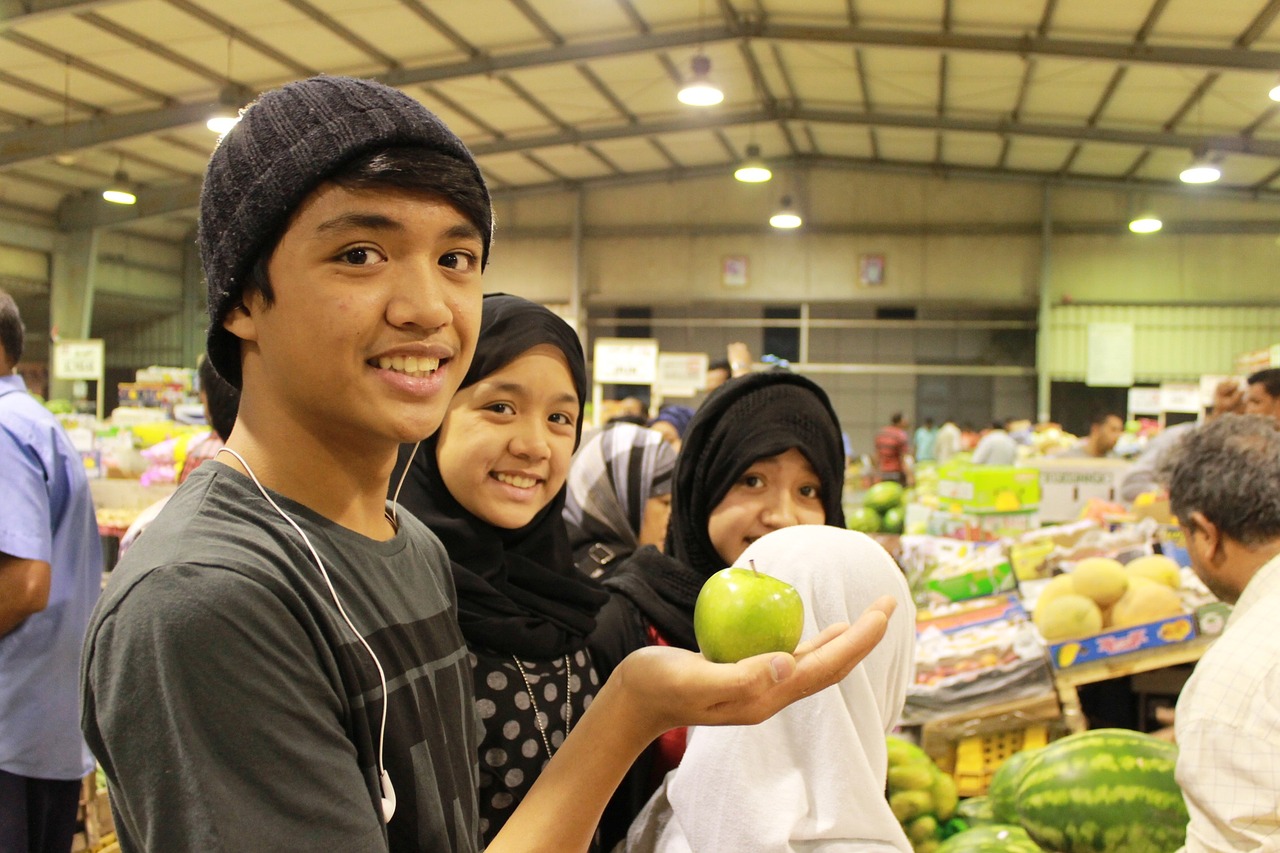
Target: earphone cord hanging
column 382, row 732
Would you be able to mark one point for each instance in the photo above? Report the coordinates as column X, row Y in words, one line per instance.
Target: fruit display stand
column 1068, row 680
column 971, row 746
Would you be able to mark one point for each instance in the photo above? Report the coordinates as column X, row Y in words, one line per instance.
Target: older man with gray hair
column 1224, row 485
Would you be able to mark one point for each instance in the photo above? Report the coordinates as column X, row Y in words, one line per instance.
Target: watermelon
column 997, row 838
column 1004, row 786
column 976, row 811
column 1103, row 791
column 883, row 495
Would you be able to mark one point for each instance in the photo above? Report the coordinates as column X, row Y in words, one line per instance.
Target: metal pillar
column 1042, row 315
column 73, row 270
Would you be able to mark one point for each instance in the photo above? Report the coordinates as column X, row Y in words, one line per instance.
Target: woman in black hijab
column 490, row 484
column 763, row 452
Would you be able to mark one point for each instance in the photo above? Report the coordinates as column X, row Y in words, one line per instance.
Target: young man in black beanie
column 277, row 664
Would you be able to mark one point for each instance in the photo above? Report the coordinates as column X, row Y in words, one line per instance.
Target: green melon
column 863, row 519
column 1103, row 791
column 1002, row 792
column 976, row 811
column 997, row 838
column 883, row 495
column 894, row 517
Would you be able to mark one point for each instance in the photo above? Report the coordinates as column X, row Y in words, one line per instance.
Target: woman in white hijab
column 812, row 778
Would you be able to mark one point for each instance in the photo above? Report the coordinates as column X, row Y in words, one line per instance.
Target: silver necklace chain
column 537, row 715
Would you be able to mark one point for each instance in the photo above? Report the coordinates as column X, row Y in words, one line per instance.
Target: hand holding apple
column 740, row 613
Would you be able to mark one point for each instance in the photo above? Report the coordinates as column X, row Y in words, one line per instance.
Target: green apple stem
column 753, row 568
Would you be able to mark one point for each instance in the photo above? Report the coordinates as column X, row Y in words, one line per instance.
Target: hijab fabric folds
column 746, row 419
column 518, row 590
column 813, row 776
column 613, row 475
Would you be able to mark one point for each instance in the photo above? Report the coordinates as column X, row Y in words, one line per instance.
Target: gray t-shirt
column 233, row 709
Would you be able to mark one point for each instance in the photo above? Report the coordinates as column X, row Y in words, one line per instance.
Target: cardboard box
column 983, row 526
column 1066, row 485
column 1123, row 641
column 988, row 580
column 988, row 487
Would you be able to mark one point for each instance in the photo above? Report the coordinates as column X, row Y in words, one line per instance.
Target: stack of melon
column 922, row 797
column 1101, row 791
column 882, row 509
column 1101, row 594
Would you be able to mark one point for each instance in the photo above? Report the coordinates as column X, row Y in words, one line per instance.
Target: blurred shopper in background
column 50, row 576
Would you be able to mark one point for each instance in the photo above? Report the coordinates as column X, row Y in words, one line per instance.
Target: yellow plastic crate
column 978, row 757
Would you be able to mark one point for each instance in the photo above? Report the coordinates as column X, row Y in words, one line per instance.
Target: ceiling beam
column 88, row 211
column 85, row 211
column 25, row 11
column 34, row 143
column 97, row 129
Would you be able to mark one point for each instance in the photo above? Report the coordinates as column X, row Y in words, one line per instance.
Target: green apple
column 740, row 613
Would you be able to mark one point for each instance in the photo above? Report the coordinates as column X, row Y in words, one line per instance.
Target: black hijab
column 744, row 420
column 518, row 590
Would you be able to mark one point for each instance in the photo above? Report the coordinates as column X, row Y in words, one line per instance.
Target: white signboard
column 78, row 359
column 626, row 361
column 1144, row 401
column 1110, row 355
column 682, row 374
column 1180, row 397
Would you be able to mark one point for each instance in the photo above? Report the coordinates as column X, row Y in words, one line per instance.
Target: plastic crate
column 978, row 757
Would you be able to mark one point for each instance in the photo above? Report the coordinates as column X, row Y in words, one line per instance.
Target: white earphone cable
column 382, row 677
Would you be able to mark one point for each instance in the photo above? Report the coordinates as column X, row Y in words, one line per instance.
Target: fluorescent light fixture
column 1275, row 94
column 787, row 216
column 119, row 190
column 753, row 170
column 222, row 122
column 1146, row 223
column 700, row 91
column 1202, row 171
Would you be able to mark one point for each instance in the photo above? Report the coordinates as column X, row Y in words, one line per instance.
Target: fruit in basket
column 1002, row 792
column 1156, row 567
column 1103, row 791
column 863, row 519
column 921, row 796
column 1146, row 601
column 883, row 495
column 997, row 838
column 1068, row 617
column 741, row 612
column 1058, row 586
column 1101, row 578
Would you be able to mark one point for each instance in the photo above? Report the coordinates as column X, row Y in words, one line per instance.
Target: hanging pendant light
column 753, row 170
column 1202, row 171
column 1146, row 222
column 120, row 190
column 700, row 91
column 786, row 217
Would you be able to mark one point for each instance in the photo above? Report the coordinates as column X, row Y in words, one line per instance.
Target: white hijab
column 812, row 778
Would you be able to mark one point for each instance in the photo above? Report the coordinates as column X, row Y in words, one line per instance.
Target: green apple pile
column 922, row 797
column 882, row 510
column 741, row 612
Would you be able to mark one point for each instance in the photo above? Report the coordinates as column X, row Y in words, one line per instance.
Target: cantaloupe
column 1146, row 601
column 1101, row 578
column 1156, row 567
column 1067, row 617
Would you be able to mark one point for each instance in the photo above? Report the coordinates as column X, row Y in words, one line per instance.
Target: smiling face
column 774, row 492
column 374, row 319
column 506, row 441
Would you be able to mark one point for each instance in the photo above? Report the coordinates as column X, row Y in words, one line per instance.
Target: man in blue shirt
column 50, row 575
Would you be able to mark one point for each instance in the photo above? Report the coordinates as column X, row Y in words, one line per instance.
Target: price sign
column 626, row 361
column 78, row 359
column 682, row 374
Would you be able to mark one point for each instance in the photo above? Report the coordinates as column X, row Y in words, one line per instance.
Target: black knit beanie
column 287, row 143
